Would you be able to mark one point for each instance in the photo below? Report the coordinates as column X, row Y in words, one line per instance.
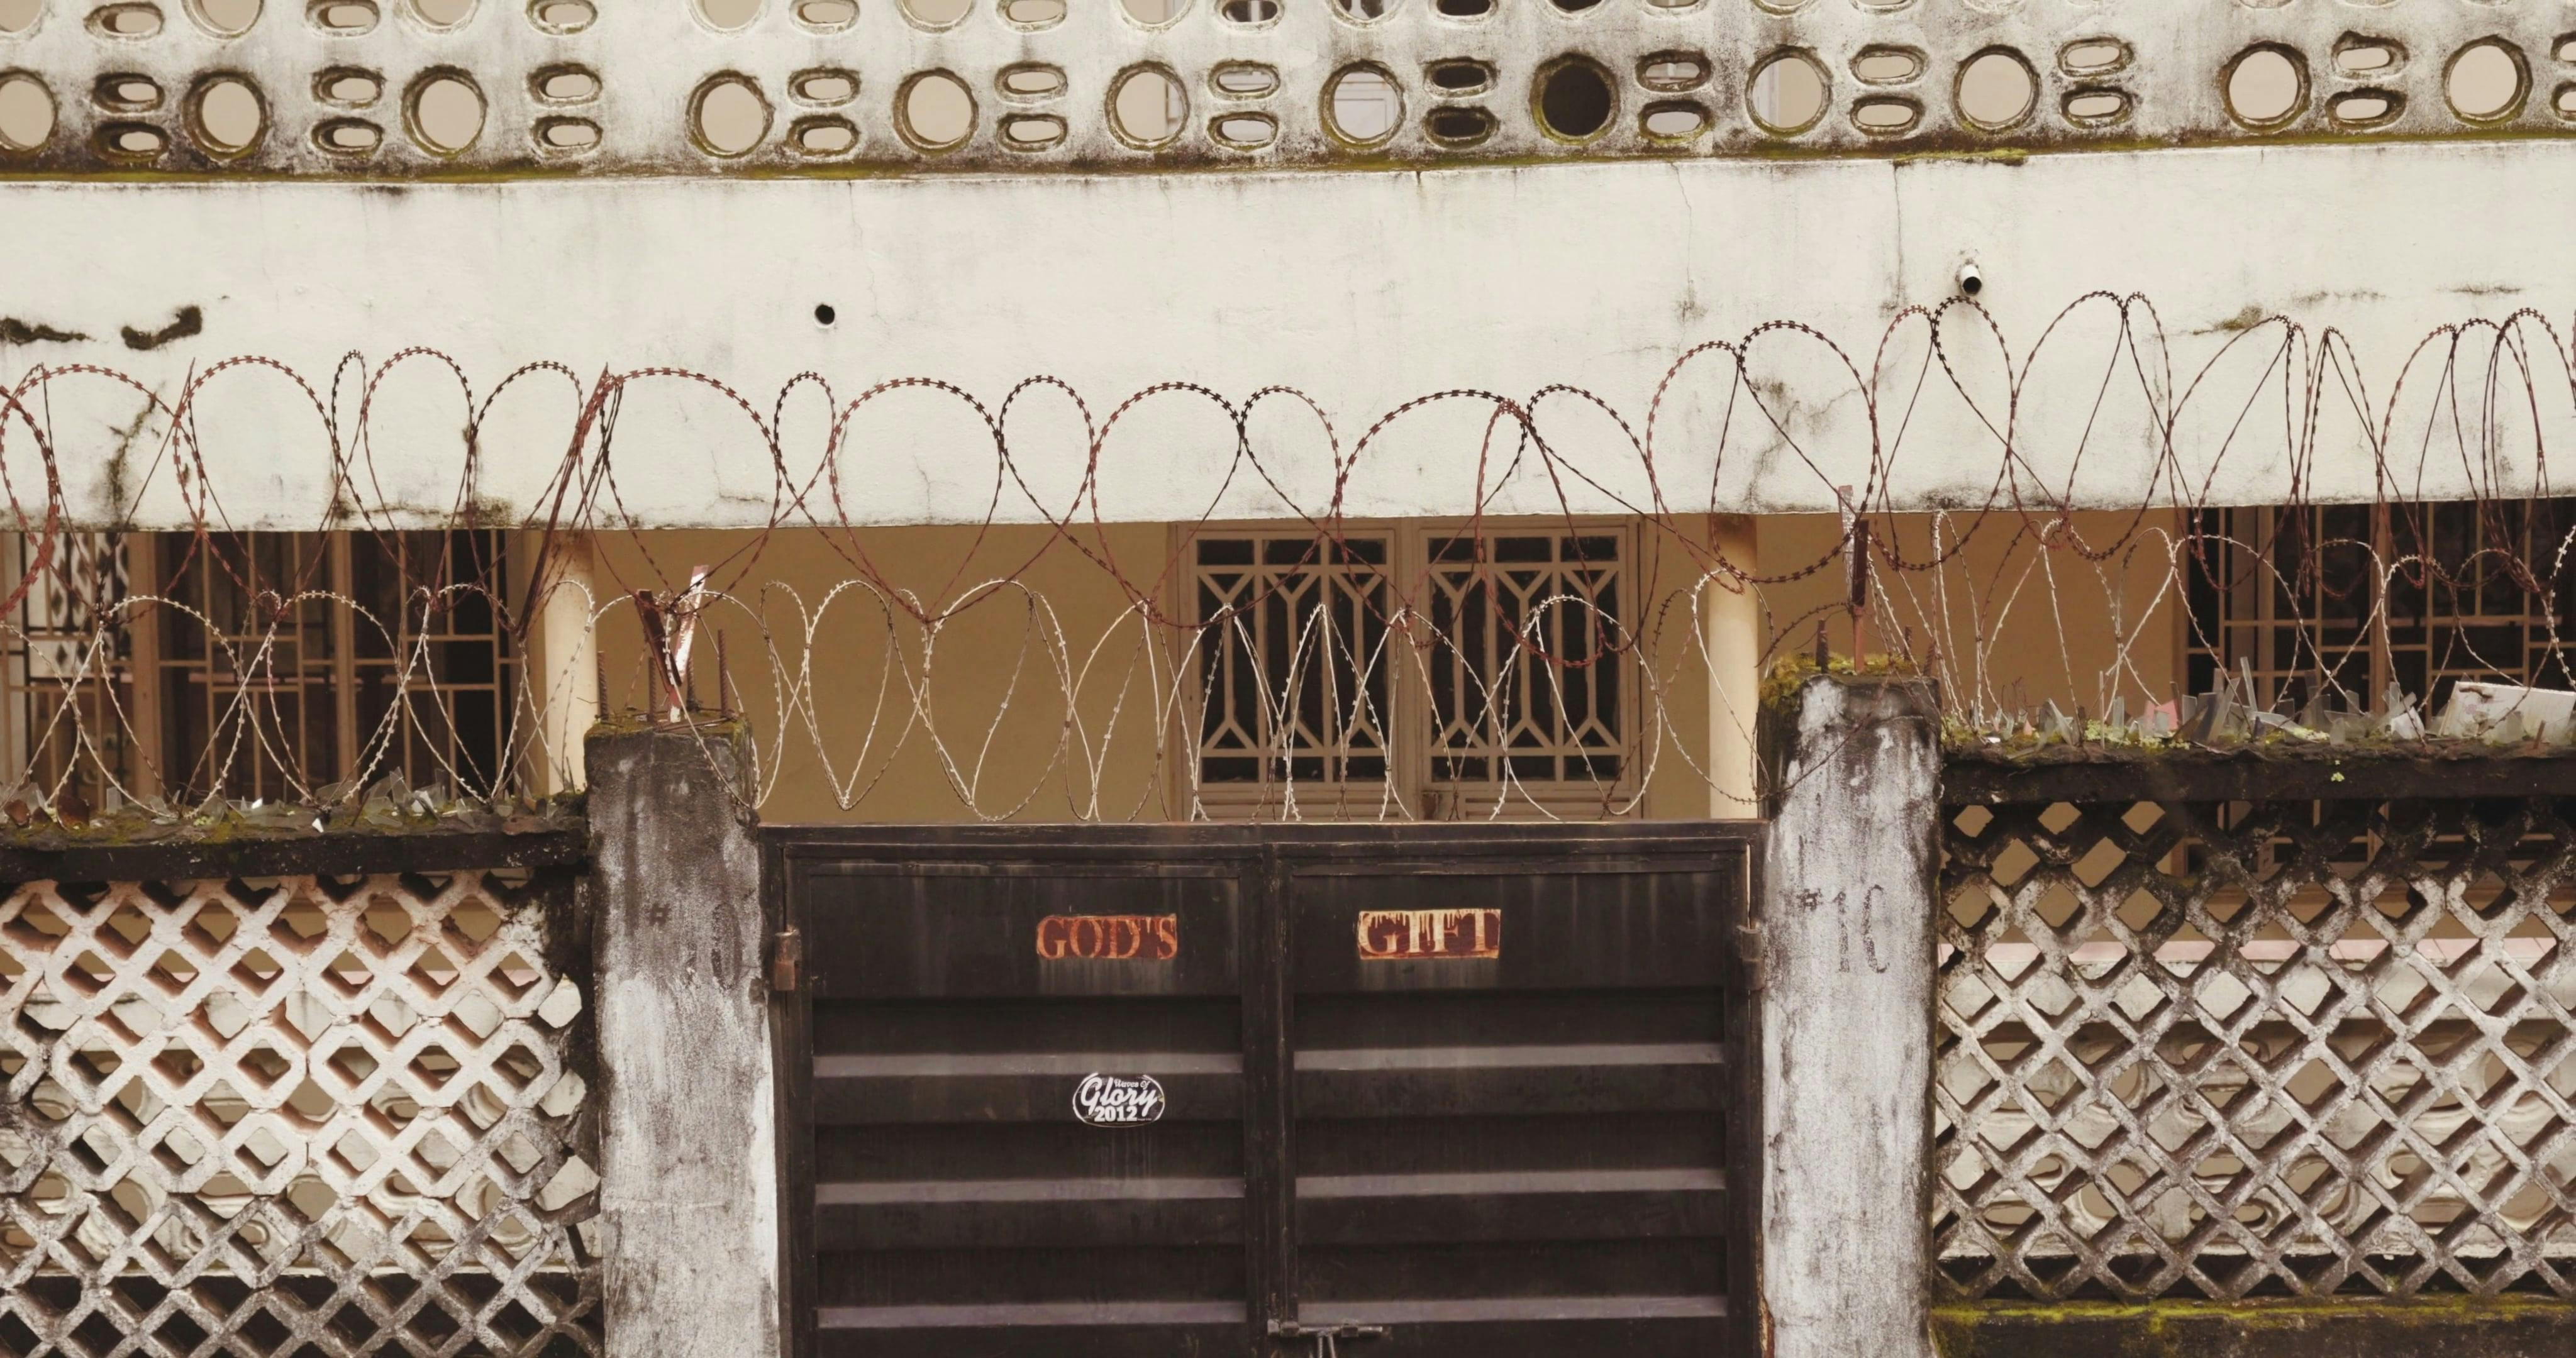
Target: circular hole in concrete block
column 125, row 21
column 131, row 141
column 2356, row 55
column 1576, row 99
column 1883, row 65
column 728, row 115
column 2087, row 57
column 1033, row 13
column 2564, row 101
column 1997, row 90
column 226, row 115
column 564, row 136
column 1147, row 106
column 1153, row 13
column 17, row 16
column 444, row 112
column 936, row 13
column 565, row 84
column 2266, row 86
column 1674, row 120
column 826, row 16
column 934, row 111
column 2096, row 106
column 1030, row 80
column 1463, row 9
column 1788, row 92
column 126, row 93
column 443, row 14
column 2368, row 108
column 727, row 15
column 1673, row 72
column 1249, row 13
column 1363, row 105
column 26, row 113
column 348, row 87
column 2487, row 81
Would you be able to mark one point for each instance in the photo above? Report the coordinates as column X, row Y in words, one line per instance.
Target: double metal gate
column 1235, row 1090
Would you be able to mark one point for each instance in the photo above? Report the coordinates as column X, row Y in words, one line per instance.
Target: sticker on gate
column 1118, row 1100
column 1430, row 935
column 1109, row 938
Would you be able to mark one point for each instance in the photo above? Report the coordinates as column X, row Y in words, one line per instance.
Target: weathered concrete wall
column 1364, row 290
column 1845, row 1001
column 2340, row 1327
column 689, row 1190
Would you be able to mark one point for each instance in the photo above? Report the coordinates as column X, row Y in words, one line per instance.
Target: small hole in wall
column 1248, row 11
column 562, row 16
column 2356, row 55
column 1363, row 105
column 347, row 18
column 126, row 93
column 125, row 21
column 728, row 115
column 1886, row 115
column 1673, row 72
column 828, row 16
column 2266, row 86
column 348, row 87
column 2093, row 56
column 2487, row 81
column 567, row 134
column 1575, row 99
column 1575, row 6
column 1147, row 106
column 1244, row 80
column 824, row 315
column 728, row 15
column 443, row 13
column 225, row 18
column 935, row 111
column 1997, row 90
column 1361, row 11
column 1887, row 65
column 1458, row 127
column 565, row 84
column 1033, row 13
column 2565, row 49
column 445, row 112
column 2564, row 101
column 226, row 116
column 26, row 113
column 1032, row 131
column 2095, row 107
column 16, row 16
column 1459, row 77
column 1030, row 80
column 1464, row 9
column 824, row 135
column 131, row 141
column 1674, row 120
column 936, row 13
column 1153, row 13
column 348, row 136
column 827, row 88
column 2365, row 108
column 1244, row 131
column 1788, row 92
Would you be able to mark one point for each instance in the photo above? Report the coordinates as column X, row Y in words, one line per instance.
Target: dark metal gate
column 1269, row 1090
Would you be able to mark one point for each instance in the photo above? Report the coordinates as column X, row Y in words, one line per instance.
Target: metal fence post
column 689, row 1133
column 1845, row 1020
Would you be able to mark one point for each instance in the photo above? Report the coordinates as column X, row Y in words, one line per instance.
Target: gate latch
column 786, row 959
column 1327, row 1337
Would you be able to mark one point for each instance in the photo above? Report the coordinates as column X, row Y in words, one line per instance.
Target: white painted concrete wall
column 1363, row 290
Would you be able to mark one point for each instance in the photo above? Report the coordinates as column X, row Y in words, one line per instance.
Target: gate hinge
column 1749, row 947
column 786, row 959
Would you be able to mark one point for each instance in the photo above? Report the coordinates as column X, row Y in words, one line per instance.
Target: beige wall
column 2053, row 625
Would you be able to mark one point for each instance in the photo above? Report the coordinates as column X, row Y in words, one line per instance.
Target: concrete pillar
column 1845, row 1018
column 689, row 1180
column 1731, row 633
column 567, row 656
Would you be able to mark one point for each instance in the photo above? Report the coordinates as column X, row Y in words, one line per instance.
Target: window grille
column 1413, row 671
column 224, row 688
column 2295, row 594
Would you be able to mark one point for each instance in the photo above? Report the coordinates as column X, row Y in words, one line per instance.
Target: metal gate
column 1232, row 1090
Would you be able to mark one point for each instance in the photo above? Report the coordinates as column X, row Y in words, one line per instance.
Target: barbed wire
column 1119, row 682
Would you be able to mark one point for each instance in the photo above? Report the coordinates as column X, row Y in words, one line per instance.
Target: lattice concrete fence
column 345, row 1094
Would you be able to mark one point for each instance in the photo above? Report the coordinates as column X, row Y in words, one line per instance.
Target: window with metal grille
column 271, row 664
column 1412, row 670
column 2348, row 599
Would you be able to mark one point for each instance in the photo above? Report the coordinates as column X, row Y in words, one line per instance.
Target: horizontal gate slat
column 1038, row 1330
column 1518, row 1090
column 1050, row 1214
column 853, row 1101
column 1558, row 1205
